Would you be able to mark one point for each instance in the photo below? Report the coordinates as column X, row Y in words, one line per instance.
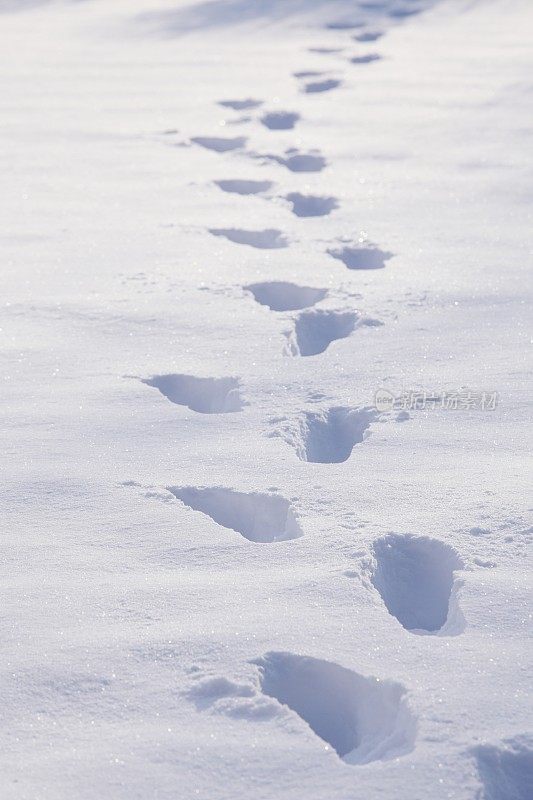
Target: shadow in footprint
column 368, row 36
column 220, row 144
column 269, row 239
column 354, row 257
column 315, row 87
column 344, row 25
column 362, row 719
column 315, row 330
column 280, row 120
column 506, row 769
column 284, row 296
column 240, row 105
column 325, row 50
column 367, row 59
column 300, row 162
column 307, row 205
column 245, row 187
column 204, row 395
column 415, row 577
column 328, row 436
column 261, row 518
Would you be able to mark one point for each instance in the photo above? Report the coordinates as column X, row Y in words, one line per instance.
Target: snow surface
column 226, row 225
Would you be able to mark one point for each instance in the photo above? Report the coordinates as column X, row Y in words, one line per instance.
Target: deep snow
column 226, row 572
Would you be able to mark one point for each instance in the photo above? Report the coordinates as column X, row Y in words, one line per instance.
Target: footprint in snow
column 325, row 50
column 327, row 436
column 362, row 718
column 204, row 395
column 295, row 161
column 356, row 257
column 344, row 25
column 321, row 82
column 368, row 36
column 269, row 239
column 241, row 105
column 415, row 578
column 315, row 330
column 284, row 296
column 506, row 767
column 280, row 120
column 326, row 85
column 311, row 205
column 261, row 518
column 244, row 187
column 220, row 144
column 367, row 59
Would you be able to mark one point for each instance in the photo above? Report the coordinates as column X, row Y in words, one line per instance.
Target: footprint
column 402, row 13
column 365, row 59
column 262, row 518
column 308, row 74
column 284, row 296
column 220, row 144
column 204, row 395
column 280, row 120
column 314, row 87
column 354, row 257
column 506, row 769
column 415, row 577
column 269, row 239
column 362, row 719
column 244, row 186
column 325, row 50
column 328, row 436
column 301, row 162
column 310, row 205
column 240, row 105
column 315, row 330
column 368, row 36
column 344, row 25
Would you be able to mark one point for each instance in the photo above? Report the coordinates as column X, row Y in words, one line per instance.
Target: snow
column 227, row 572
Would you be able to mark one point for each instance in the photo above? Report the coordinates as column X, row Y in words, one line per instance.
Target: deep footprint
column 261, row 518
column 245, row 187
column 280, row 120
column 268, row 239
column 362, row 719
column 328, row 436
column 306, row 205
column 506, row 769
column 284, row 296
column 315, row 330
column 204, row 395
column 220, row 144
column 354, row 257
column 415, row 576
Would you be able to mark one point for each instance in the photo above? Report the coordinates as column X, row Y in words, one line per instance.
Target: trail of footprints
column 363, row 719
